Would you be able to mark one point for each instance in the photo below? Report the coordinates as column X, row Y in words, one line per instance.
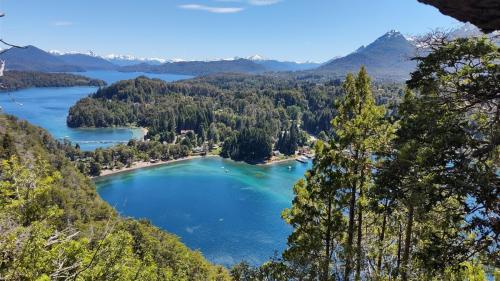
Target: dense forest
column 15, row 80
column 412, row 195
column 221, row 107
column 55, row 227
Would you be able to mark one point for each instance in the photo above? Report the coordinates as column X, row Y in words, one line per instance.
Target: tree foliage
column 55, row 227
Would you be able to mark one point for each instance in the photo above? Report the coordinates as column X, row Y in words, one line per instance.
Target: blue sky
column 299, row 30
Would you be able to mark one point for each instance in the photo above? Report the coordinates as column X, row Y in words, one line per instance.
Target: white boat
column 302, row 159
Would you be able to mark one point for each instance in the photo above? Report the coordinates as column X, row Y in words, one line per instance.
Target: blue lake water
column 48, row 108
column 230, row 216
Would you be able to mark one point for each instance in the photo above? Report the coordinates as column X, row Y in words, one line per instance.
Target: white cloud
column 263, row 2
column 211, row 9
column 62, row 23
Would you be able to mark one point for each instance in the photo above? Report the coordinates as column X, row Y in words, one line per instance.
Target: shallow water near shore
column 230, row 211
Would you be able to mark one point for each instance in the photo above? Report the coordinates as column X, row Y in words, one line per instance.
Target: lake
column 228, row 210
column 48, row 108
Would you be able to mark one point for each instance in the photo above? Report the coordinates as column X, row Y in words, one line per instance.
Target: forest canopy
column 219, row 108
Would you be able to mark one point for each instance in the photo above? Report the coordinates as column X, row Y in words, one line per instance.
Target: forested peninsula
column 248, row 116
column 16, row 80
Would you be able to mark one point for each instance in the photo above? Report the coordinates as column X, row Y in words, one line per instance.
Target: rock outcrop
column 485, row 14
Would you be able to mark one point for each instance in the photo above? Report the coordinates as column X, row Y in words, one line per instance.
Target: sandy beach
column 143, row 165
column 277, row 161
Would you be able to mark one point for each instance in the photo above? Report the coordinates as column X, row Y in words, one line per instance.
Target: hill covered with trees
column 55, row 227
column 15, row 80
column 219, row 108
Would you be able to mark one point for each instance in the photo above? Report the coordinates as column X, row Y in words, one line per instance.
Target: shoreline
column 144, row 165
column 278, row 161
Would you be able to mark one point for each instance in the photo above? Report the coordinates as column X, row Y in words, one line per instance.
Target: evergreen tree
column 338, row 181
column 443, row 171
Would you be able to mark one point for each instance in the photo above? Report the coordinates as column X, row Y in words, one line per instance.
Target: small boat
column 302, row 159
column 289, row 167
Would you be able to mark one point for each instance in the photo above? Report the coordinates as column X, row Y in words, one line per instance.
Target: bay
column 228, row 210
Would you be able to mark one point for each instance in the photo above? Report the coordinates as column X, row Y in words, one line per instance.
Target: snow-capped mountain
column 386, row 57
column 256, row 58
column 124, row 60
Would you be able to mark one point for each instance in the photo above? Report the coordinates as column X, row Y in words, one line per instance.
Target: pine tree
column 442, row 170
column 323, row 236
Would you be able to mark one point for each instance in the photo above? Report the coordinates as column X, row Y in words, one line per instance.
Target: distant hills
column 254, row 64
column 35, row 59
column 199, row 67
column 126, row 60
column 388, row 57
column 88, row 62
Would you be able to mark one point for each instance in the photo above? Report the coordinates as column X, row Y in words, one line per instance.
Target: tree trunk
column 400, row 240
column 350, row 228
column 328, row 238
column 350, row 234
column 381, row 242
column 359, row 248
column 406, row 253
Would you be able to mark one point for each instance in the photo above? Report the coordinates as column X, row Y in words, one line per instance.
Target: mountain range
column 32, row 58
column 388, row 57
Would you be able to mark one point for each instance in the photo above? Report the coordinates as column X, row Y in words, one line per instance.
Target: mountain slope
column 388, row 57
column 124, row 60
column 275, row 65
column 33, row 59
column 87, row 62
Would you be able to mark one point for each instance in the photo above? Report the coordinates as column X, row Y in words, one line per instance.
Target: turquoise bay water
column 228, row 210
column 231, row 214
column 48, row 108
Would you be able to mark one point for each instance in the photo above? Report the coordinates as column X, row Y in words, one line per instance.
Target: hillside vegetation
column 55, row 227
